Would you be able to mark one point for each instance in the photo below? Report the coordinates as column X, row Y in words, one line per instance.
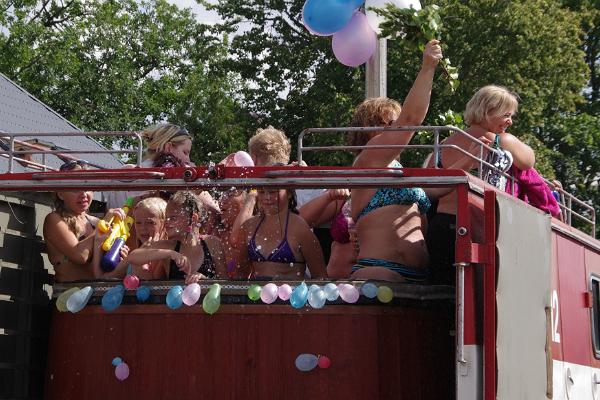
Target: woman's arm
column 413, row 112
column 323, row 208
column 57, row 233
column 312, row 253
column 218, row 255
column 246, row 212
column 244, row 267
column 523, row 155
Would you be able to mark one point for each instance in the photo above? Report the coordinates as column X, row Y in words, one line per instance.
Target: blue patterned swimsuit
column 396, row 196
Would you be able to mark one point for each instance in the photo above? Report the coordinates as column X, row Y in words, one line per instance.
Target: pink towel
column 531, row 188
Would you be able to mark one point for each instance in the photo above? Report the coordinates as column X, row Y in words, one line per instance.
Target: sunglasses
column 181, row 132
column 69, row 165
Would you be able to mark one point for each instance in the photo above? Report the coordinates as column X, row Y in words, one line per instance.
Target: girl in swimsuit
column 389, row 222
column 185, row 254
column 69, row 232
column 279, row 243
column 149, row 216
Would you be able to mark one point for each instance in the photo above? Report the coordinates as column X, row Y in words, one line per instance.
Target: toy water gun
column 119, row 233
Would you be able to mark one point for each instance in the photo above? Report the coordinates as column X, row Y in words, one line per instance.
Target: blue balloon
column 299, row 296
column 369, row 290
column 116, row 361
column 142, row 293
column 306, row 362
column 112, row 298
column 331, row 291
column 79, row 299
column 326, row 17
column 174, row 300
column 317, row 298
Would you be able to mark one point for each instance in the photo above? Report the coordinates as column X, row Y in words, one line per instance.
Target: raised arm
column 413, row 112
column 323, row 208
column 218, row 254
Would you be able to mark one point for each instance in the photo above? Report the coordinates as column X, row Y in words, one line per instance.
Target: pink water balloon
column 191, row 294
column 269, row 292
column 131, row 281
column 284, row 292
column 122, row 371
column 356, row 42
column 348, row 293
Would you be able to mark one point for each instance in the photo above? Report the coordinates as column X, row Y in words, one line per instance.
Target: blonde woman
column 488, row 114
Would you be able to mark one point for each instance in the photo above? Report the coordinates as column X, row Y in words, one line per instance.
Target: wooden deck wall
column 248, row 352
column 24, row 297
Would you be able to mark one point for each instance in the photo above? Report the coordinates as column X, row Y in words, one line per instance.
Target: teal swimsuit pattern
column 397, row 196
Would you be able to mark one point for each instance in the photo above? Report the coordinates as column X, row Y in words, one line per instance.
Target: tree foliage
column 122, row 65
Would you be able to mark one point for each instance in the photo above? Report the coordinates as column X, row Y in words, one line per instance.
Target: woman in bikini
column 279, row 243
column 489, row 114
column 185, row 254
column 389, row 221
column 69, row 231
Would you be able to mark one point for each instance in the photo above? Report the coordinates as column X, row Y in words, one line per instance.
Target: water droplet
column 258, row 247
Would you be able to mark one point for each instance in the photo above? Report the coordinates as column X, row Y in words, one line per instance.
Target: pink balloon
column 269, row 292
column 131, row 281
column 356, row 42
column 243, row 159
column 191, row 294
column 348, row 293
column 122, row 371
column 284, row 292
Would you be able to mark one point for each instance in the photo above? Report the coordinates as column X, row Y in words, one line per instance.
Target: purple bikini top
column 282, row 253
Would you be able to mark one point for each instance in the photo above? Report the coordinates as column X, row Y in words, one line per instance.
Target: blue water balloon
column 369, row 290
column 299, row 296
column 317, row 298
column 78, row 300
column 325, row 17
column 174, row 300
column 331, row 291
column 112, row 298
column 142, row 294
column 306, row 362
column 116, row 361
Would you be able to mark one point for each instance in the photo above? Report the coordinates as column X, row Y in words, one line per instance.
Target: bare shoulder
column 298, row 224
column 54, row 223
column 52, row 218
column 212, row 242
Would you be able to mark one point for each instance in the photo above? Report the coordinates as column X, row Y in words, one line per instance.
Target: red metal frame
column 489, row 298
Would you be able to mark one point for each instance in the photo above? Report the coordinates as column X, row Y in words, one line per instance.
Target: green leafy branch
column 416, row 27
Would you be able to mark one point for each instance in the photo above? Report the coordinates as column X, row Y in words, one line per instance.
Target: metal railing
column 13, row 155
column 566, row 202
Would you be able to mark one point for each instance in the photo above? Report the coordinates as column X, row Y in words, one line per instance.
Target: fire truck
column 521, row 322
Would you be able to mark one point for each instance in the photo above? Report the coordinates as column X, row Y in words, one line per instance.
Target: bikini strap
column 287, row 220
column 256, row 230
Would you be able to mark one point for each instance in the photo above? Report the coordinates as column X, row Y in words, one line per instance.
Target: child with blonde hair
column 185, row 254
column 149, row 217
